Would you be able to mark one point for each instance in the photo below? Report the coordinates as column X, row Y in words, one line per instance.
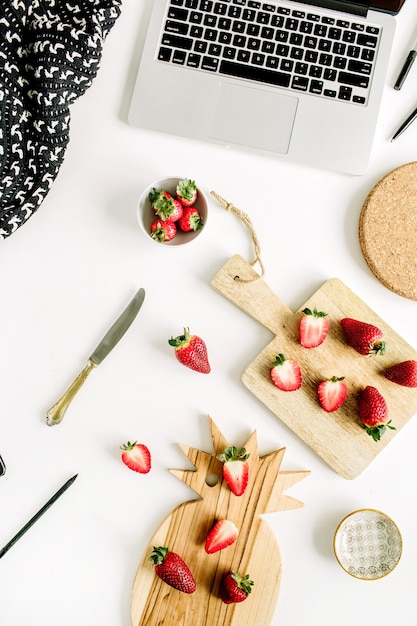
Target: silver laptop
column 299, row 81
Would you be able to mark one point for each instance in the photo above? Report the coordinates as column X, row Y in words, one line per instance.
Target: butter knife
column 56, row 413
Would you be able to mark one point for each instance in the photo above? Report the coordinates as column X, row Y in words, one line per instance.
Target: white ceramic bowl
column 367, row 544
column 146, row 214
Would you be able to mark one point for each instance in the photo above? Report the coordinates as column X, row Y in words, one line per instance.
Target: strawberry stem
column 158, row 555
column 243, row 582
column 233, row 454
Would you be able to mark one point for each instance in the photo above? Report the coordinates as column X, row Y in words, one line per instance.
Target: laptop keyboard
column 312, row 52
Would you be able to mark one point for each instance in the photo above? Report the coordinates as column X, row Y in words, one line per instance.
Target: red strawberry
column 191, row 351
column 373, row 412
column 235, row 469
column 163, row 230
column 222, row 535
column 170, row 567
column 186, row 192
column 332, row 393
column 286, row 374
column 364, row 338
column 404, row 373
column 165, row 205
column 314, row 328
column 190, row 220
column 136, row 456
column 235, row 588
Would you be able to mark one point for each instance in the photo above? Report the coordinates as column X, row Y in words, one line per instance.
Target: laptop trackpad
column 253, row 117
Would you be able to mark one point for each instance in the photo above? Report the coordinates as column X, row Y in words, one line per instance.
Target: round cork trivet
column 388, row 230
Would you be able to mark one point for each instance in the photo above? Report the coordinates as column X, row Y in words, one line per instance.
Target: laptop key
column 356, row 80
column 164, row 54
column 345, row 93
column 316, row 87
column 193, row 60
column 210, row 64
column 179, row 57
column 176, row 27
column 359, row 67
column 300, row 83
column 260, row 74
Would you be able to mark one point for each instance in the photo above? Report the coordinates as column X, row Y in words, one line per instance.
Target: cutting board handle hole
column 212, row 479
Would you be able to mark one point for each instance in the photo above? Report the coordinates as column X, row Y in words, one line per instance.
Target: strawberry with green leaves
column 136, row 456
column 186, row 192
column 235, row 469
column 165, row 205
column 163, row 231
column 332, row 393
column 171, row 568
column 404, row 373
column 286, row 373
column 373, row 411
column 313, row 328
column 222, row 535
column 191, row 351
column 235, row 588
column 363, row 337
column 191, row 219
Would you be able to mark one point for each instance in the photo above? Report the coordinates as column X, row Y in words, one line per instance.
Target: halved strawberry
column 235, row 469
column 136, row 456
column 313, row 328
column 222, row 535
column 404, row 373
column 286, row 373
column 186, row 192
column 332, row 393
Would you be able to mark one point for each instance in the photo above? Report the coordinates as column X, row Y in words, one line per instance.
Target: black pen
column 37, row 516
column 410, row 119
column 406, row 67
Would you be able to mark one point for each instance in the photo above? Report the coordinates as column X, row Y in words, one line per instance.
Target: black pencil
column 37, row 516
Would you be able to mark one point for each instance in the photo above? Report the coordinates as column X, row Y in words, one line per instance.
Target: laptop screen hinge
column 345, row 6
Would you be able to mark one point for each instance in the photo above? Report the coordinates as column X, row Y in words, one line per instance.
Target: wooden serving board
column 338, row 438
column 184, row 531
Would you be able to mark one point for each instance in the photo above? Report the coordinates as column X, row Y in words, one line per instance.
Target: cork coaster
column 388, row 231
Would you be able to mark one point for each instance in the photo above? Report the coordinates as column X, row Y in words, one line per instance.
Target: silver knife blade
column 56, row 413
column 120, row 326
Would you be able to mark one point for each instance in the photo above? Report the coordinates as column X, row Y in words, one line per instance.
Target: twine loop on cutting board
column 248, row 223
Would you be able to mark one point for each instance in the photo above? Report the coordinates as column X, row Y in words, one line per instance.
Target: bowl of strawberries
column 173, row 211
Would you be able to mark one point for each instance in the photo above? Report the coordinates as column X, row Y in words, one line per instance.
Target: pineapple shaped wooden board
column 184, row 531
column 338, row 438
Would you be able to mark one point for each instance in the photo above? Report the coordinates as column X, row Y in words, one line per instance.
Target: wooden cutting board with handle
column 184, row 531
column 338, row 438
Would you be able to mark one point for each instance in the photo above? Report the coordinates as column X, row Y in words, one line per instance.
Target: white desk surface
column 66, row 274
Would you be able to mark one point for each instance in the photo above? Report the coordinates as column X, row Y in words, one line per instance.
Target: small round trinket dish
column 180, row 234
column 367, row 544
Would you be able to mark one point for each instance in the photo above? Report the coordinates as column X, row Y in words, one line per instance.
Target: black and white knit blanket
column 50, row 51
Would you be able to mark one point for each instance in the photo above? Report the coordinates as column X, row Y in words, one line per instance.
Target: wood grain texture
column 184, row 531
column 338, row 438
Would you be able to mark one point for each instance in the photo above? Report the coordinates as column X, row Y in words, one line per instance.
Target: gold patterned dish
column 367, row 544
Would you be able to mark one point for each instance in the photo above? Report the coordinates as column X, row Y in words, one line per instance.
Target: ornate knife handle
column 55, row 415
